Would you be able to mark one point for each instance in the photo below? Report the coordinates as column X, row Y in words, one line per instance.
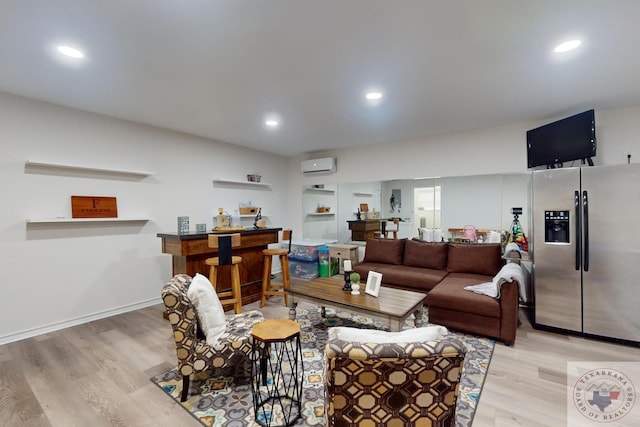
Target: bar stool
column 396, row 221
column 269, row 289
column 224, row 243
column 383, row 230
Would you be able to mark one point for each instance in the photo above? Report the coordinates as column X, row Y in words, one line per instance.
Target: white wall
column 67, row 274
column 484, row 151
column 319, row 227
column 58, row 275
column 467, row 202
column 350, row 196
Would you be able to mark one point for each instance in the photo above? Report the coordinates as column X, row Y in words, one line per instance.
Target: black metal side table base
column 277, row 375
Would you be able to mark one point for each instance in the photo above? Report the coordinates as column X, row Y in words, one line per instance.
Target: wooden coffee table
column 394, row 305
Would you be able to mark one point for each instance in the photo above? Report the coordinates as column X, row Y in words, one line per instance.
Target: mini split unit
column 326, row 164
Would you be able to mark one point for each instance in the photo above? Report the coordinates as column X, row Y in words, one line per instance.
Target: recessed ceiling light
column 567, row 46
column 70, row 51
column 272, row 123
column 373, row 95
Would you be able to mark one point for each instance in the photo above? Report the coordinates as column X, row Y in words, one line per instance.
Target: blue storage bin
column 323, row 261
column 323, row 255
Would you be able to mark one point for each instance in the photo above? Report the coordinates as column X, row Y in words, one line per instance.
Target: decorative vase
column 355, row 289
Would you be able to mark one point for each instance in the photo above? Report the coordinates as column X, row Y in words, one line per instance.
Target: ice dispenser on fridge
column 556, row 226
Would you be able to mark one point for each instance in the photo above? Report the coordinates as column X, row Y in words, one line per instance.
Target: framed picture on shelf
column 374, row 280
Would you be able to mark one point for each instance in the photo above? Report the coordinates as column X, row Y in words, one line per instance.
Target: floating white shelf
column 78, row 220
column 320, row 213
column 237, row 182
column 320, row 190
column 363, row 194
column 81, row 168
column 250, row 216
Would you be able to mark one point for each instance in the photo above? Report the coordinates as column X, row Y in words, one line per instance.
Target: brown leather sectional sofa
column 441, row 271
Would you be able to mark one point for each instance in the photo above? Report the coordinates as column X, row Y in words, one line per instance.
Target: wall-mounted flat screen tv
column 573, row 138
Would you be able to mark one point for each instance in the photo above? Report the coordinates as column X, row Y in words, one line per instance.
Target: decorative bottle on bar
column 220, row 218
column 258, row 218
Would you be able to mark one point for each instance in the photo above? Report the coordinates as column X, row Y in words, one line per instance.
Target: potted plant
column 355, row 278
column 355, row 283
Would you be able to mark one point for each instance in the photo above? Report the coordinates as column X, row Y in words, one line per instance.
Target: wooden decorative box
column 323, row 209
column 249, row 210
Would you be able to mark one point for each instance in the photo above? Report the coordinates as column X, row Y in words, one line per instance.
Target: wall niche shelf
column 358, row 194
column 80, row 168
column 320, row 213
column 238, row 182
column 84, row 220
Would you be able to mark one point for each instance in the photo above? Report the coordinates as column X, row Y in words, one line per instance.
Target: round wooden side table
column 276, row 372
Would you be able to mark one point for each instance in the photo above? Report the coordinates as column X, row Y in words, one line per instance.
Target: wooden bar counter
column 363, row 229
column 189, row 252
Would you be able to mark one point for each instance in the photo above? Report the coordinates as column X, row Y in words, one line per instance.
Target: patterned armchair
column 394, row 384
column 194, row 354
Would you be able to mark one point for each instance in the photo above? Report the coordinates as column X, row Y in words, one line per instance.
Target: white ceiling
column 215, row 68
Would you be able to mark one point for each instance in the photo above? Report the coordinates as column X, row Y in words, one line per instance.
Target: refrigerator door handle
column 585, row 210
column 576, row 201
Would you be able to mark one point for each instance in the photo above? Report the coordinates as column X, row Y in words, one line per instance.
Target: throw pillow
column 209, row 310
column 425, row 255
column 427, row 333
column 386, row 251
column 425, row 234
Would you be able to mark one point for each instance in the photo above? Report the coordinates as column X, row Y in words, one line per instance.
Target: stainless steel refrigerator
column 586, row 250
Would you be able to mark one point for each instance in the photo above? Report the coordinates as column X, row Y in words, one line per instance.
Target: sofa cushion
column 426, row 333
column 425, row 255
column 451, row 294
column 402, row 276
column 475, row 259
column 387, row 251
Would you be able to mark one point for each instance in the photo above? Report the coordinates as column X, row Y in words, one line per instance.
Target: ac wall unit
column 325, row 164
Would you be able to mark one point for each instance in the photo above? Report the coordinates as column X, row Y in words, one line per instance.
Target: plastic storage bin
column 305, row 250
column 304, row 269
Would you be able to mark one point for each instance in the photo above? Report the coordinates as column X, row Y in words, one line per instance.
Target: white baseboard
column 5, row 339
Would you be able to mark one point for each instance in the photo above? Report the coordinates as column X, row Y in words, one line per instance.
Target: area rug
column 226, row 401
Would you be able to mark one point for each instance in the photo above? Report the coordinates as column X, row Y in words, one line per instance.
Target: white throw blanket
column 512, row 247
column 508, row 273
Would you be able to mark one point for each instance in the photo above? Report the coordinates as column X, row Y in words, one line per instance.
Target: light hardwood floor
column 97, row 374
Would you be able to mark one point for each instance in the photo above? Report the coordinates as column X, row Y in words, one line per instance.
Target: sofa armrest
column 182, row 316
column 238, row 330
column 509, row 306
